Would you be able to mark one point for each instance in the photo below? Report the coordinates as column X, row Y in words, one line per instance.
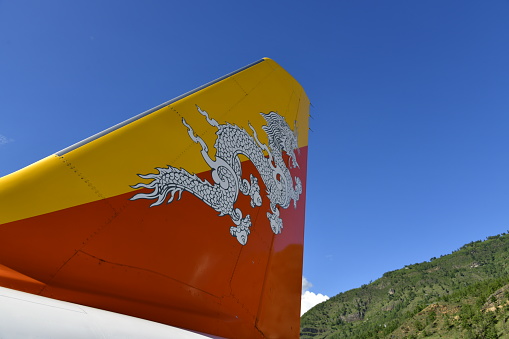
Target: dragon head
column 281, row 136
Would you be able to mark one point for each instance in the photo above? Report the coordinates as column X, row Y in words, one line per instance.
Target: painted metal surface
column 25, row 315
column 192, row 215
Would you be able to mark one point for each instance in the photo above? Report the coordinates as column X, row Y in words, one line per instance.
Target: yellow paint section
column 109, row 165
column 45, row 186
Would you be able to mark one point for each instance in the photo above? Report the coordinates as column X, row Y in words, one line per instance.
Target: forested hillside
column 461, row 295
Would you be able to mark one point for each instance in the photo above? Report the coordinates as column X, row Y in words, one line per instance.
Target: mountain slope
column 464, row 294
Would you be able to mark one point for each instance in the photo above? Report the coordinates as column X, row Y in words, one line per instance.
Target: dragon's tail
column 169, row 181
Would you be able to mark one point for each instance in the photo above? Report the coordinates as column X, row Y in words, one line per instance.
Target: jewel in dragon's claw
column 240, row 233
column 275, row 223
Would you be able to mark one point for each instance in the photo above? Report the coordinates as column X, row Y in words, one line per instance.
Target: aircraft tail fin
column 190, row 214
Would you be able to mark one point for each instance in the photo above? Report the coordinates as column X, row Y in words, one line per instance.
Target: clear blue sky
column 409, row 155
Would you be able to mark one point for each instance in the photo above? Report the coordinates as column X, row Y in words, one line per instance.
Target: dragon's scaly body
column 231, row 142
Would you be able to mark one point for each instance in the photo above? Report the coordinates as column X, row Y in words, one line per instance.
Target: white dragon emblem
column 231, row 142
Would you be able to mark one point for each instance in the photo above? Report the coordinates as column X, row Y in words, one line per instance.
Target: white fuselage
column 24, row 315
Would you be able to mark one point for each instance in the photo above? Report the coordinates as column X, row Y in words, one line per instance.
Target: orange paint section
column 68, row 229
column 175, row 263
column 15, row 280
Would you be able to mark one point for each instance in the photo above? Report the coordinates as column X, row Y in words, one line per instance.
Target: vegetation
column 461, row 295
